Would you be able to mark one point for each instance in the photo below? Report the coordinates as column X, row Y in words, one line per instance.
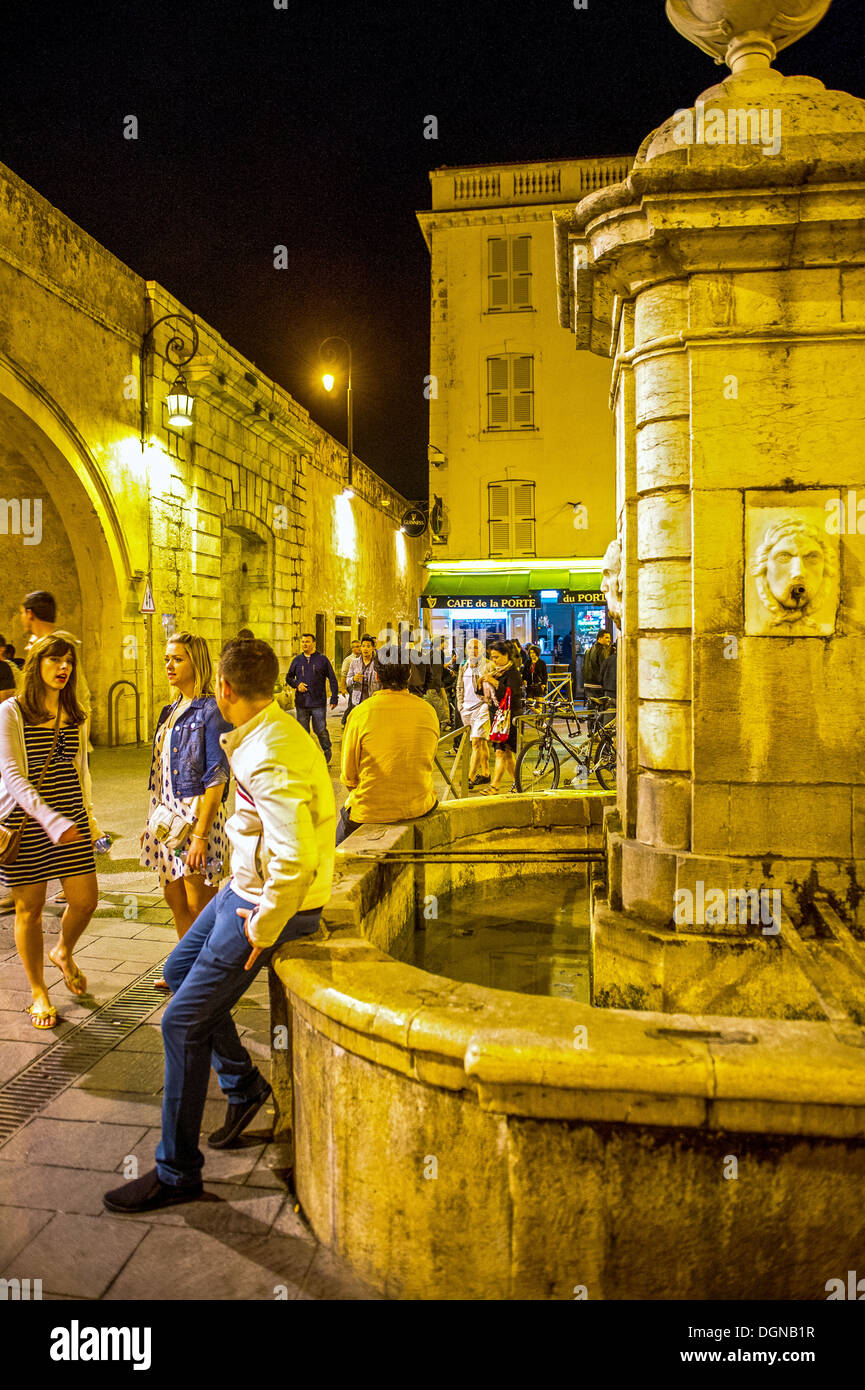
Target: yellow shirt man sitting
column 388, row 752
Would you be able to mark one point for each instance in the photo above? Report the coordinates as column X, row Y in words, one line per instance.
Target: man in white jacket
column 282, row 839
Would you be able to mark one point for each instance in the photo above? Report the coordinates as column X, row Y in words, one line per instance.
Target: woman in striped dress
column 58, row 824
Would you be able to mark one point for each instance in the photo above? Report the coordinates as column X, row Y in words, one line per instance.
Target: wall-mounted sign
column 413, row 522
column 147, row 604
column 581, row 596
column 479, row 601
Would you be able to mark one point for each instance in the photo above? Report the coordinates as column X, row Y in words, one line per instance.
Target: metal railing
column 457, row 742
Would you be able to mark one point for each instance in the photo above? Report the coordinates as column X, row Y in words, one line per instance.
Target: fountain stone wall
column 453, row 1141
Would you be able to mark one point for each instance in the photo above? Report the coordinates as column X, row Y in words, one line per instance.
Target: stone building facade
column 522, row 504
column 238, row 521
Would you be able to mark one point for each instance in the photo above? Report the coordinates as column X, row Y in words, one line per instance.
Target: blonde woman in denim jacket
column 188, row 776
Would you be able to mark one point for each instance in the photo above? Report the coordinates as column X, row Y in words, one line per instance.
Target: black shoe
column 237, row 1117
column 148, row 1193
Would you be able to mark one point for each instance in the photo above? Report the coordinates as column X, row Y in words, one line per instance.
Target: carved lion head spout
column 611, row 584
column 793, row 565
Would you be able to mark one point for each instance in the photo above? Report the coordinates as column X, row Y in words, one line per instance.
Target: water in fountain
column 531, row 936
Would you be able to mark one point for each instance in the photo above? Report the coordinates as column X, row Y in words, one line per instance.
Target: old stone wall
column 237, row 522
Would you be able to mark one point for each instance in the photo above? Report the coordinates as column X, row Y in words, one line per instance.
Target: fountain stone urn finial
column 744, row 33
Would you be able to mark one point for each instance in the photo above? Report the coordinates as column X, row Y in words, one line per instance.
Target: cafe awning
column 511, row 584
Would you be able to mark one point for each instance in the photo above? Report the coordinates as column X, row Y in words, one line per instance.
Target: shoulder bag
column 501, row 726
column 10, row 840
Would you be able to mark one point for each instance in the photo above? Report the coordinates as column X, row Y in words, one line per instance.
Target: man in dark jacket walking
column 608, row 676
column 593, row 664
column 309, row 675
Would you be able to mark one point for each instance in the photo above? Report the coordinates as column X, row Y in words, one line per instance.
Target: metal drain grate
column 93, row 1038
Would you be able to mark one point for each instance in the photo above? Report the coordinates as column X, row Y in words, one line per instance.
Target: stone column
column 726, row 279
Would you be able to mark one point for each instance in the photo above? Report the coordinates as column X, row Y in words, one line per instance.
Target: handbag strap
column 53, row 747
column 38, row 787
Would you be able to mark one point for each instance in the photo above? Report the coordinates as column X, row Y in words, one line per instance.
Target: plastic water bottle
column 103, row 844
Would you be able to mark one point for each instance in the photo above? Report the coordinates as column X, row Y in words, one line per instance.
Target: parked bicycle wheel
column 537, row 767
column 605, row 763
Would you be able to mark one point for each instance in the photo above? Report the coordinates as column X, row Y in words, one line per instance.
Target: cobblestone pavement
column 244, row 1240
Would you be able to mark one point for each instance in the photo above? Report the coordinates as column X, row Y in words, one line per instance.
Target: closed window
column 510, row 392
column 509, row 273
column 512, row 518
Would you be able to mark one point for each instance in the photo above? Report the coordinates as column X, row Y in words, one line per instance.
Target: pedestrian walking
column 282, row 835
column 8, row 681
column 38, row 615
column 7, row 652
column 46, row 813
column 310, row 674
column 474, row 711
column 388, row 755
column 427, row 678
column 362, row 680
column 184, row 840
column 507, row 704
column 343, row 676
column 593, row 664
column 610, row 672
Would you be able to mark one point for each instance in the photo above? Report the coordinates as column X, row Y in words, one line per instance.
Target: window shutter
column 521, row 272
column 523, row 398
column 521, row 291
column 520, row 252
column 524, row 518
column 500, row 518
column 498, row 272
column 497, row 392
column 498, row 292
column 498, row 249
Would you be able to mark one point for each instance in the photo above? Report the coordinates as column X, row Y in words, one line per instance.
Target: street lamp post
column 179, row 400
column 327, row 358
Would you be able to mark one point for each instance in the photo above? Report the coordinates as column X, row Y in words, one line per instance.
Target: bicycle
column 539, row 764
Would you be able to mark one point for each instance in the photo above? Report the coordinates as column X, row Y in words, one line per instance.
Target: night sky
column 304, row 127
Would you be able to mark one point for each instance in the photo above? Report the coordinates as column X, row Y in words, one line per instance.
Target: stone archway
column 78, row 551
column 247, row 576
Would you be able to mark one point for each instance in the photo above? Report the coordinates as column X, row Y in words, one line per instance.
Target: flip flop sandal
column 73, row 979
column 42, row 1018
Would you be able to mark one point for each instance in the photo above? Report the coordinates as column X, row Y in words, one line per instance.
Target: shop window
column 510, row 392
column 511, row 518
column 509, row 273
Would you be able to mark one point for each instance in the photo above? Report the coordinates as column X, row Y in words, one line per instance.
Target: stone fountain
column 726, row 280
column 455, row 1141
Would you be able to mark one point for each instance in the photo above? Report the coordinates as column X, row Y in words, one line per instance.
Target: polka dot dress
column 154, row 854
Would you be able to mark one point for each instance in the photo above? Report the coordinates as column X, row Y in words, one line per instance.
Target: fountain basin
column 456, row 1141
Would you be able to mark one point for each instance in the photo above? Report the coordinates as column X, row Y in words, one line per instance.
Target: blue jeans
column 318, row 714
column 205, row 971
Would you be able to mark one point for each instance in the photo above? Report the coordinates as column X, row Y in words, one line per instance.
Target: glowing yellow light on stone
column 344, row 527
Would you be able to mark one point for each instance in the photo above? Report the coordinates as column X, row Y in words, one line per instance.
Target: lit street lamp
column 328, row 379
column 179, row 401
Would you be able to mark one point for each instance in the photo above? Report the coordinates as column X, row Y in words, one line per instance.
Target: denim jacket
column 197, row 759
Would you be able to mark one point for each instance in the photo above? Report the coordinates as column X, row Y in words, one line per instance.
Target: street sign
column 413, row 522
column 147, row 604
